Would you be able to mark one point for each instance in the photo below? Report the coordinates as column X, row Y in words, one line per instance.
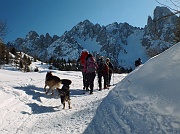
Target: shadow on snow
column 38, row 109
column 37, row 93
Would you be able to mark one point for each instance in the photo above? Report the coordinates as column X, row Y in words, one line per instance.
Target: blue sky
column 57, row 16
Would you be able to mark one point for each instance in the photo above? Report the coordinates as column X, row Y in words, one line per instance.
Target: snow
column 134, row 50
column 26, row 109
column 146, row 101
column 90, row 44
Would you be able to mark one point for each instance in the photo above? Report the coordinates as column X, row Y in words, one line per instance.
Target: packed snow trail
column 26, row 109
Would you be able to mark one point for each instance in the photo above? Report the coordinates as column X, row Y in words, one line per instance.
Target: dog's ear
column 49, row 72
column 70, row 82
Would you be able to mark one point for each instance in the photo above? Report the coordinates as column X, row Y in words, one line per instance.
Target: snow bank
column 146, row 101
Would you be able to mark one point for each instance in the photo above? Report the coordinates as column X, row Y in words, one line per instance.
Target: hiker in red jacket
column 82, row 58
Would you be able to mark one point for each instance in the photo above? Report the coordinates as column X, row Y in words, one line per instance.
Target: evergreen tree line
column 21, row 61
column 74, row 65
column 10, row 56
column 4, row 55
column 64, row 65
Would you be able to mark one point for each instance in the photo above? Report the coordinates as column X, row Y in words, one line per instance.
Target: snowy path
column 26, row 109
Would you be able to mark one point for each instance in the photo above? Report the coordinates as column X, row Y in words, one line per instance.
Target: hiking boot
column 106, row 87
column 87, row 89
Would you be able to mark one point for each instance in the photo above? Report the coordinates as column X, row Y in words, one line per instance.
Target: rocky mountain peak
column 164, row 15
column 32, row 35
column 160, row 12
column 160, row 28
column 87, row 22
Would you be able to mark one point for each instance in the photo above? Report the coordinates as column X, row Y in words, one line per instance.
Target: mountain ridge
column 121, row 42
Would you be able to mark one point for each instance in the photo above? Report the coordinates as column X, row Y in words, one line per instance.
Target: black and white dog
column 64, row 92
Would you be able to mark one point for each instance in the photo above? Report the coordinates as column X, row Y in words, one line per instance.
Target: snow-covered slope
column 146, row 101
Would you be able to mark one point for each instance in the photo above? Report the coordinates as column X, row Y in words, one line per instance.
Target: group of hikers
column 101, row 66
column 90, row 66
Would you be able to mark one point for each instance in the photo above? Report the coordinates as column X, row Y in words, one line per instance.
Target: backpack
column 110, row 66
column 90, row 65
column 83, row 57
column 138, row 62
column 102, row 66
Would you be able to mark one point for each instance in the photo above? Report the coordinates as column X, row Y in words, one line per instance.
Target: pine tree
column 2, row 53
column 13, row 51
column 7, row 57
column 20, row 64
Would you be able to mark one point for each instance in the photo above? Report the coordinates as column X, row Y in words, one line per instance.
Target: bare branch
column 166, row 16
column 3, row 28
column 175, row 4
column 169, row 6
column 176, row 10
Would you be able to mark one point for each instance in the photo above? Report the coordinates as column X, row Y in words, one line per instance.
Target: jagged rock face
column 48, row 39
column 33, row 44
column 121, row 42
column 102, row 36
column 160, row 28
column 164, row 25
column 85, row 30
column 32, row 35
column 160, row 12
column 55, row 37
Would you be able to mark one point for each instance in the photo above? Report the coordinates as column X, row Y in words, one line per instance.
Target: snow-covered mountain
column 121, row 42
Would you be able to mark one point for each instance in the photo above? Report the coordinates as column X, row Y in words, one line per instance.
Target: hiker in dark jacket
column 102, row 71
column 90, row 70
column 110, row 65
column 138, row 62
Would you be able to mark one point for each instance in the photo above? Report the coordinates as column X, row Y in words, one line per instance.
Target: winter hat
column 90, row 55
column 84, row 50
column 107, row 59
column 101, row 57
